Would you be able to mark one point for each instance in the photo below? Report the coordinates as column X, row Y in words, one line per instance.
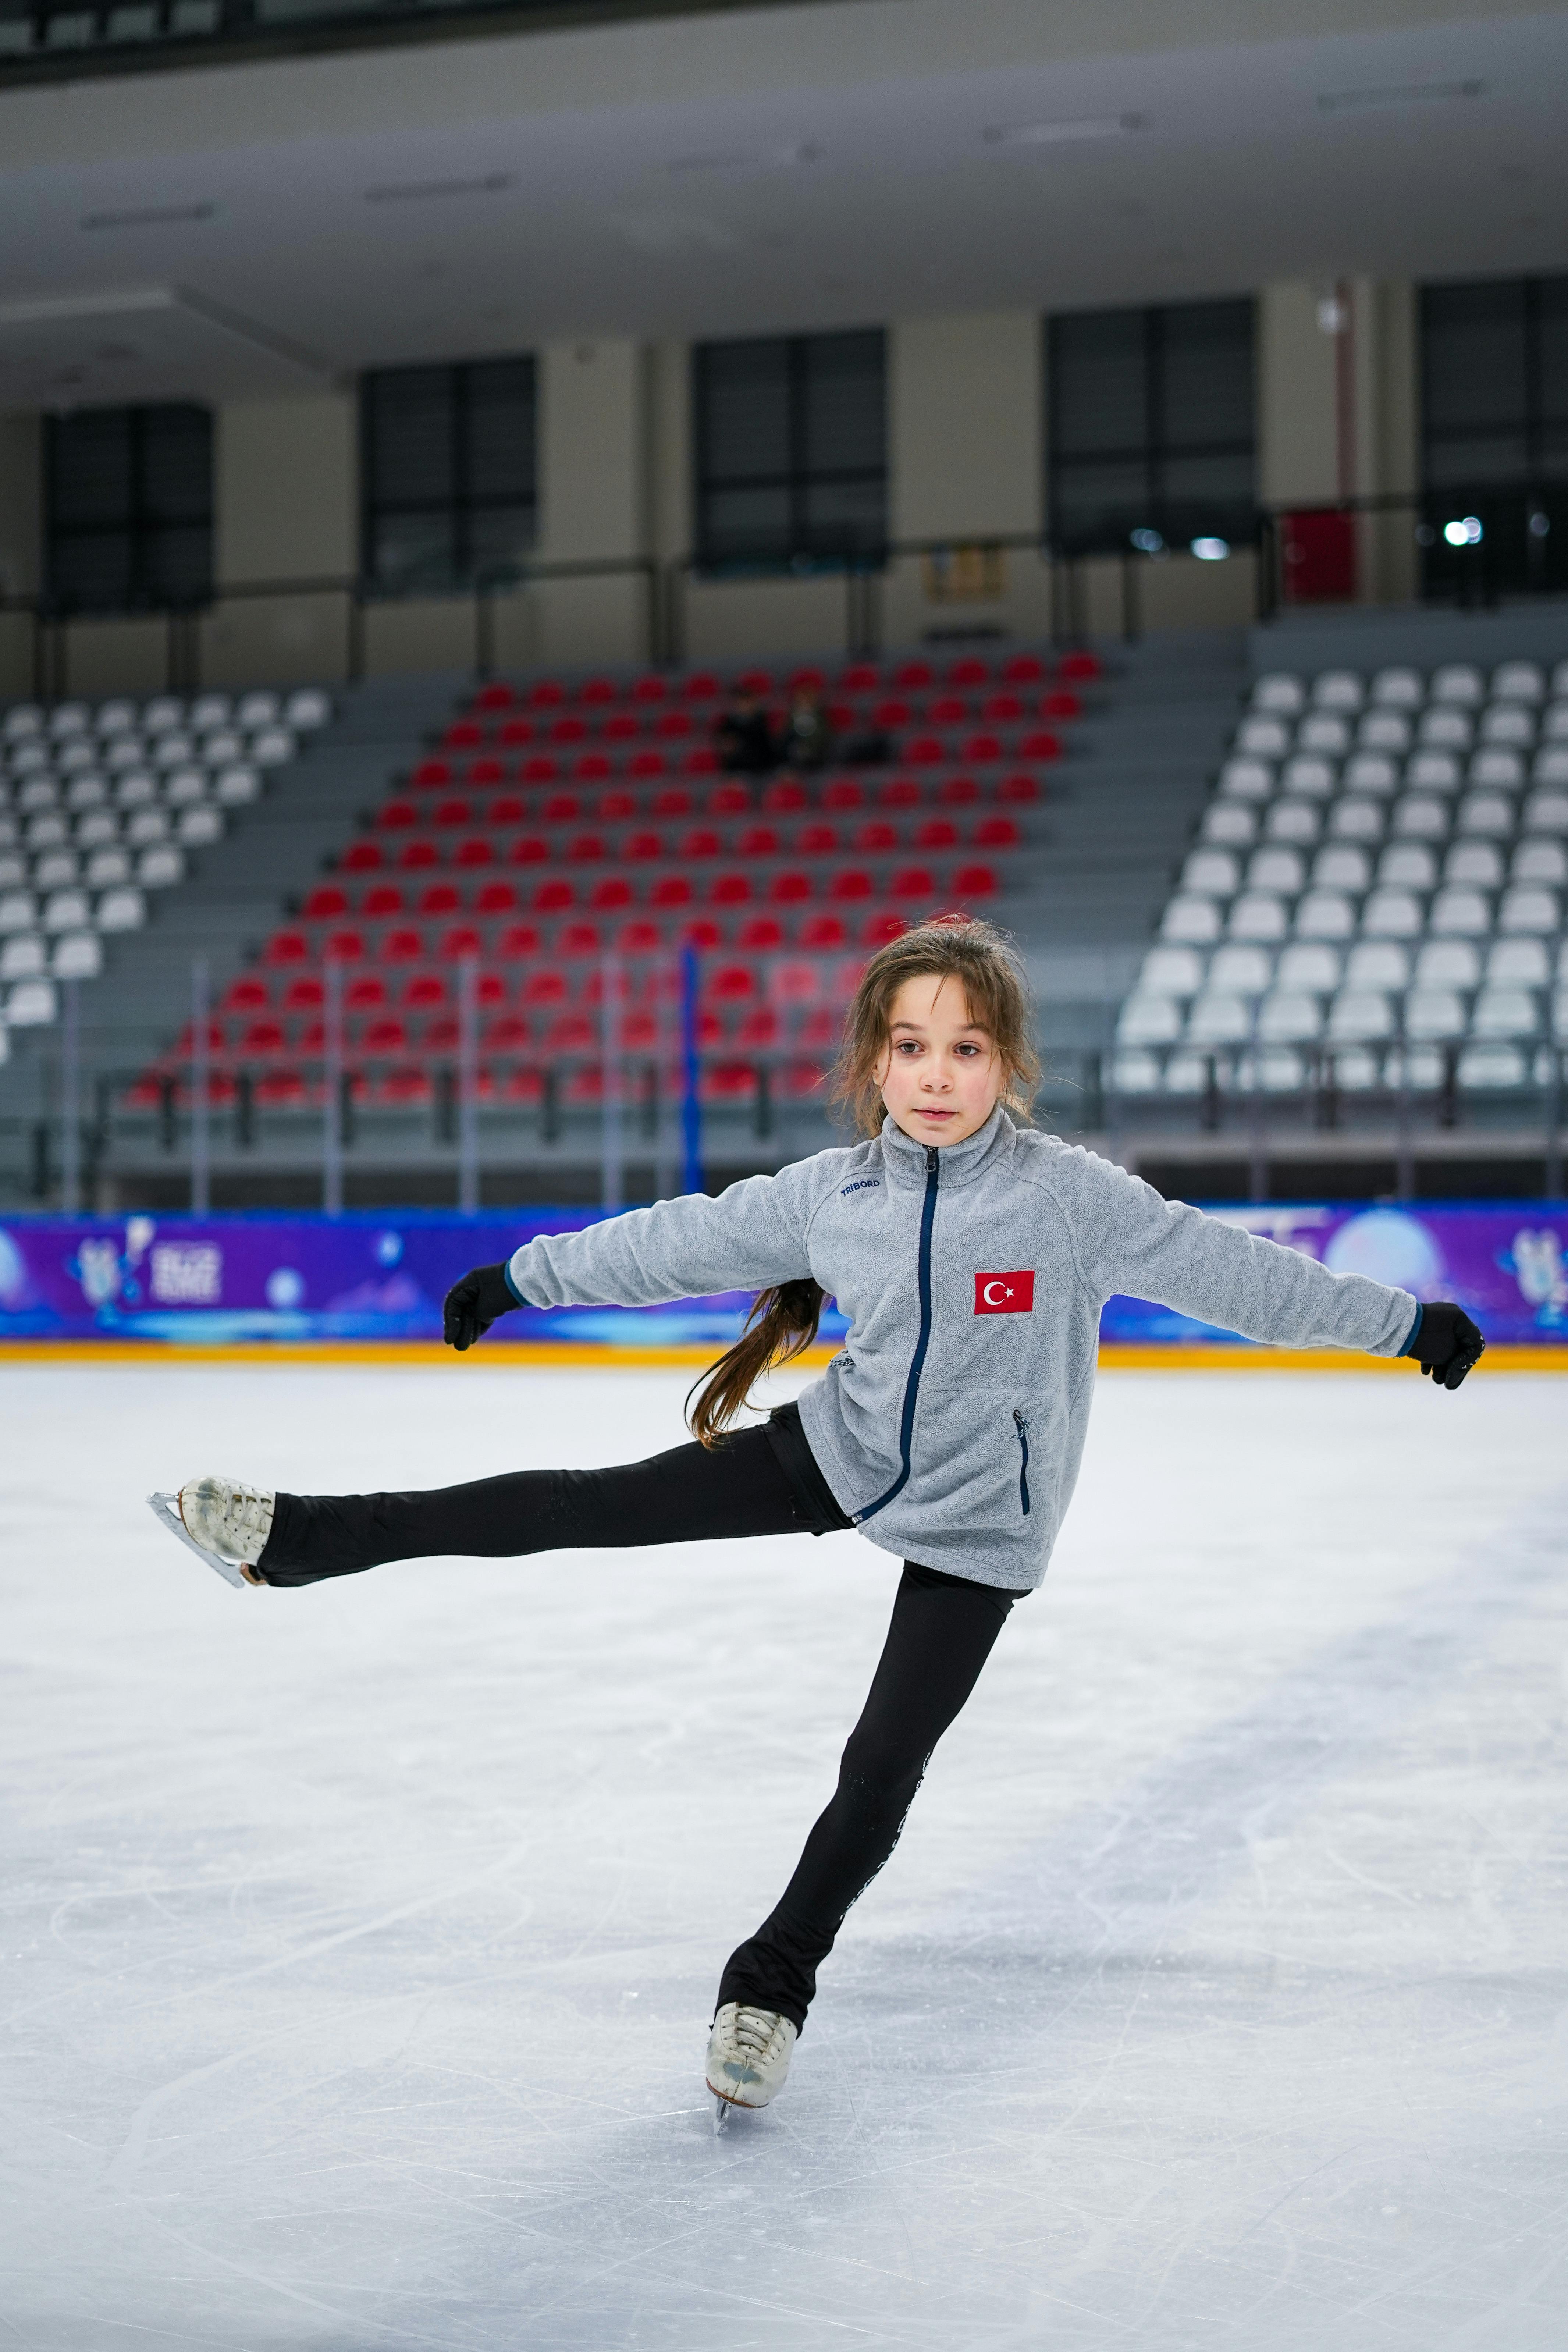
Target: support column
column 286, row 495
column 594, row 501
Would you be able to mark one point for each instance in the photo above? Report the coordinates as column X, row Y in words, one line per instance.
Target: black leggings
column 760, row 1482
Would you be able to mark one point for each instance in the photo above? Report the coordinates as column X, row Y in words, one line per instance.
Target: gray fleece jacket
column 950, row 1425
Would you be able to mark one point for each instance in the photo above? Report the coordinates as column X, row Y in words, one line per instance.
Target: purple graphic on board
column 382, row 1275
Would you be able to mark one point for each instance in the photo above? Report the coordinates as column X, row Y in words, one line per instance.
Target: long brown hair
column 987, row 967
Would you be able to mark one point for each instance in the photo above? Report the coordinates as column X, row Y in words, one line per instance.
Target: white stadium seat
column 1325, row 731
column 1293, row 820
column 1218, row 1020
column 1498, row 770
column 1488, row 1065
column 1384, row 730
column 1149, row 1020
column 1228, row 824
column 1264, row 738
column 1193, row 921
column 1377, row 963
column 1371, row 771
column 1433, row 771
column 1446, row 730
column 1512, row 1012
column 1342, row 865
column 1433, row 1015
column 1172, row 971
column 1325, row 915
column 77, row 955
column 1486, row 813
column 1338, row 690
column 1240, row 968
column 1357, row 820
column 32, row 1005
column 1279, row 691
column 1519, row 681
column 1408, row 866
column 1399, row 688
column 1461, row 912
column 1246, row 779
column 1313, row 777
column 1277, row 869
column 1540, row 861
column 1212, row 874
column 1390, row 914
column 1448, row 963
column 1529, row 907
column 1421, row 816
column 1480, row 862
column 1521, row 962
column 1546, row 813
column 1312, row 965
column 1258, row 915
column 1459, row 682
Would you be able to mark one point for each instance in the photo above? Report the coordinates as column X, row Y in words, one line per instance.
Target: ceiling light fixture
column 149, row 217
column 1051, row 134
column 413, row 191
column 1418, row 93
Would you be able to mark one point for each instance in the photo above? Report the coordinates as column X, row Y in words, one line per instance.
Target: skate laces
column 754, row 2030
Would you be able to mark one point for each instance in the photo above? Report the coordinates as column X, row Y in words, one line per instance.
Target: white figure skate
column 748, row 2057
column 222, row 1522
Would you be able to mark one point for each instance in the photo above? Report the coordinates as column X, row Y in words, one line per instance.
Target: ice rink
column 359, row 1943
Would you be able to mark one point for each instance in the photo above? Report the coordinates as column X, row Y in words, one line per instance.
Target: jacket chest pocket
column 1021, row 1430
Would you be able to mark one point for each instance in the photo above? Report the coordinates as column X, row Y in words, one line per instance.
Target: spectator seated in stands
column 807, row 737
column 745, row 739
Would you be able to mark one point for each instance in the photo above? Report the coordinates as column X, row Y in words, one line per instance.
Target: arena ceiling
column 246, row 230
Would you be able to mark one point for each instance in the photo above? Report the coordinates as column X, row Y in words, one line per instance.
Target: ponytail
column 782, row 1323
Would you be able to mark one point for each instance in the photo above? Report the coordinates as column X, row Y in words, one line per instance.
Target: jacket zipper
column 917, row 1364
column 1022, row 1426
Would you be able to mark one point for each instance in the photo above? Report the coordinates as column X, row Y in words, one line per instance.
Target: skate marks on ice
column 1314, row 1958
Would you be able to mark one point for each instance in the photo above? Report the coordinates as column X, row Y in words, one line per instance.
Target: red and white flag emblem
column 1004, row 1293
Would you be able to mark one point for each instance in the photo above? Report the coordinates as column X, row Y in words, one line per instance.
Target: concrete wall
column 966, row 433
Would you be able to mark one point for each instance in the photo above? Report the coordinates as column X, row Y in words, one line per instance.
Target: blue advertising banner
column 248, row 1279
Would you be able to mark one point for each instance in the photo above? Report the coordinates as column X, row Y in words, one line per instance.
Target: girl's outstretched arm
column 1133, row 1242
column 752, row 1236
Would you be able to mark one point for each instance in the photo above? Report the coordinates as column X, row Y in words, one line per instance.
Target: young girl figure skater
column 972, row 1255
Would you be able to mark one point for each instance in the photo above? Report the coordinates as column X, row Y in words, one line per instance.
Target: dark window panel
column 1475, row 358
column 448, row 473
column 791, row 449
column 128, row 509
column 1151, row 419
column 91, row 470
column 177, row 465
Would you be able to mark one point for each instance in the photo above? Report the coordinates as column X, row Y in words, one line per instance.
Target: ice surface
column 359, row 1943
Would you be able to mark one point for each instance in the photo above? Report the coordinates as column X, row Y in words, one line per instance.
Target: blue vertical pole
column 690, row 1104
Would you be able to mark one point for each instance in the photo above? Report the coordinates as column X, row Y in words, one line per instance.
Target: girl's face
column 940, row 1073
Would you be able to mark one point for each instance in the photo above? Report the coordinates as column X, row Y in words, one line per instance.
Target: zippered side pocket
column 1022, row 1426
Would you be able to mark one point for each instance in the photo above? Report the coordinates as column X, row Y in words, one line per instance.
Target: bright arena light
column 1211, row 550
column 1464, row 530
column 1148, row 542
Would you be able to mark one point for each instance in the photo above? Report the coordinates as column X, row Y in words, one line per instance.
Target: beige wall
column 593, row 504
column 1298, row 451
column 287, row 500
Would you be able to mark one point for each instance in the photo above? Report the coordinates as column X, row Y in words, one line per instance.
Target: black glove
column 472, row 1305
column 1447, row 1344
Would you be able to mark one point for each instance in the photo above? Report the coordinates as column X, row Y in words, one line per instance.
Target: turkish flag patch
column 1004, row 1293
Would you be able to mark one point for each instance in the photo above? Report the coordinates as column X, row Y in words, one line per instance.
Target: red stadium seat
column 802, row 1078
column 462, row 939
column 621, row 727
column 671, row 890
column 700, row 842
column 924, row 752
column 307, row 994
column 641, row 938
column 569, row 728
column 672, row 802
column 1061, row 704
column 611, row 892
column 262, row 1037
column 562, row 808
column 758, row 1029
column 585, row 849
column 875, row 838
column 850, row 882
column 441, row 1035
column 789, row 887
column 431, row 772
column 672, row 725
column 454, row 811
column 383, row 899
column 844, row 793
column 463, row 734
column 517, row 940
column 819, row 1030
column 947, row 711
column 425, row 990
column 517, row 731
column 994, row 832
column 1077, row 667
column 639, row 1031
column 794, row 980
column 386, row 1035
column 598, row 691
column 615, row 807
column 974, row 882
column 486, row 770
column 539, row 769
column 649, row 688
column 522, row 1086
column 554, row 896
column 729, row 889
column 440, row 899
column 638, row 848
column 570, row 1033
column 891, row 712
column 913, row 676
column 404, row 945
column 1018, row 788
column 784, row 795
column 913, row 882
column 731, row 983
column 1040, row 745
column 578, row 939
column 822, row 933
column 496, row 898
column 414, row 855
column 546, row 694
column 937, row 832
column 528, row 849
column 860, row 677
column 287, row 947
column 702, row 687
column 728, row 799
column 882, row 929
column 325, row 901
column 476, row 851
column 982, row 750
column 1023, row 669
column 546, row 986
column 509, row 1033
column 646, row 763
column 758, row 841
column 592, row 768
column 496, row 696
column 248, row 994
column 365, row 993
column 364, row 856
column 969, row 672
column 509, row 808
column 281, row 1090
column 816, row 840
column 1003, row 710
column 755, row 681
column 760, row 933
column 899, row 792
column 403, row 1088
column 701, row 933
column 957, row 791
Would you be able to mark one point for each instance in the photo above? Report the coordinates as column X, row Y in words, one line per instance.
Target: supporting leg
column 942, row 1634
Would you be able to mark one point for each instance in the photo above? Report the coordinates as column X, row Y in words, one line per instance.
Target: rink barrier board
column 368, row 1286
column 1210, row 1356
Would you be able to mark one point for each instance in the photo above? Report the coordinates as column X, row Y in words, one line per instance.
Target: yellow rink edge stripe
column 1213, row 1357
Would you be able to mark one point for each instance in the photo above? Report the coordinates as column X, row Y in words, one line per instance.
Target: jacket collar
column 958, row 1163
